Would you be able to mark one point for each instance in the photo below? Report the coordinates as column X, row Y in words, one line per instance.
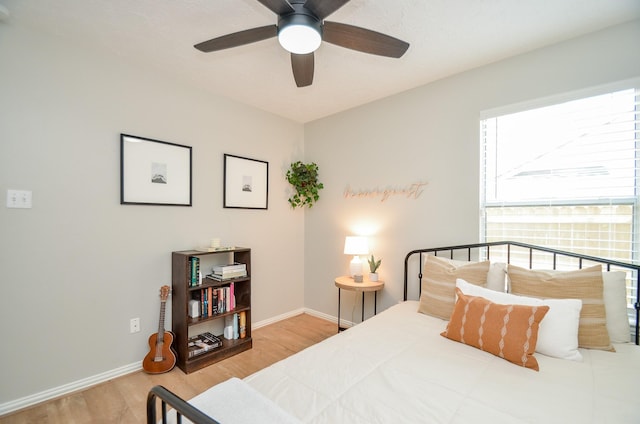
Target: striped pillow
column 507, row 331
column 438, row 289
column 584, row 284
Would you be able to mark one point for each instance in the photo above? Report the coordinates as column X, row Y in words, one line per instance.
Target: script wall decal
column 411, row 191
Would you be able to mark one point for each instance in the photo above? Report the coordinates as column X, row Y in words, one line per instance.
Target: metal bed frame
column 182, row 408
column 483, row 250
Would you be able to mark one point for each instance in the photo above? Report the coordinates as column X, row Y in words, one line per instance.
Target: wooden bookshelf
column 183, row 292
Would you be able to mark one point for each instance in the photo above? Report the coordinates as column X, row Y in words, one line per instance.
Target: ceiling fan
column 300, row 30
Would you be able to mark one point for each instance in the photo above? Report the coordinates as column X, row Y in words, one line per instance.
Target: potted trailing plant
column 304, row 178
column 373, row 268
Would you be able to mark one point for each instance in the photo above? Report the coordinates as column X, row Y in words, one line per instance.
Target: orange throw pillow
column 507, row 331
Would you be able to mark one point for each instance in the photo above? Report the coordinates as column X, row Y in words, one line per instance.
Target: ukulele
column 161, row 357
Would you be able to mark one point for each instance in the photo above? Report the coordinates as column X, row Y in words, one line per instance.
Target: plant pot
column 373, row 276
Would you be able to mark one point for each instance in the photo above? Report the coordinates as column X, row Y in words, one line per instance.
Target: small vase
column 373, row 276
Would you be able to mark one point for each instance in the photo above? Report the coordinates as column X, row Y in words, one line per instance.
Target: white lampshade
column 299, row 39
column 299, row 33
column 356, row 245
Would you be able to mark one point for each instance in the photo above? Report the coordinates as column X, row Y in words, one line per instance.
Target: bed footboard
column 182, row 408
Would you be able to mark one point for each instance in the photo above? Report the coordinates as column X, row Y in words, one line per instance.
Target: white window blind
column 565, row 174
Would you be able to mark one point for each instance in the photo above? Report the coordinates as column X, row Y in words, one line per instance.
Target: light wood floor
column 123, row 400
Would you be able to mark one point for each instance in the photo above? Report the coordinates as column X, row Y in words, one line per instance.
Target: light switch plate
column 21, row 199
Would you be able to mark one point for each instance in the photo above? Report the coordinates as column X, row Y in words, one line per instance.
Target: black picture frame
column 154, row 172
column 246, row 183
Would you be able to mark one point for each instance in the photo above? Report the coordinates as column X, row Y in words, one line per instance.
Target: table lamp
column 356, row 245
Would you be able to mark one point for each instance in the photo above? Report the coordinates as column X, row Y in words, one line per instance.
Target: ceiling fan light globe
column 299, row 39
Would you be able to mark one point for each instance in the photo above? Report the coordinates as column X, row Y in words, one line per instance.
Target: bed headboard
column 521, row 254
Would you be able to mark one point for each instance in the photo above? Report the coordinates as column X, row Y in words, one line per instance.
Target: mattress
column 396, row 368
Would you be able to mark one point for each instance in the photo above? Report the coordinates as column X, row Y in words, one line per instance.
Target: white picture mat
column 241, row 175
column 140, row 157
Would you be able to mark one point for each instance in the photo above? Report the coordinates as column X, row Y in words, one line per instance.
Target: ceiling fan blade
column 279, row 7
column 238, row 38
column 324, row 8
column 363, row 40
column 302, row 65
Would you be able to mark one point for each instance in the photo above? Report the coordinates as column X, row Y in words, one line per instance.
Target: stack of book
column 228, row 272
column 203, row 343
column 216, row 300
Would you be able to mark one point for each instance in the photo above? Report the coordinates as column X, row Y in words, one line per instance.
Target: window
column 565, row 174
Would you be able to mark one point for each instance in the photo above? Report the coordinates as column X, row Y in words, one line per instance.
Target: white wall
column 431, row 134
column 78, row 265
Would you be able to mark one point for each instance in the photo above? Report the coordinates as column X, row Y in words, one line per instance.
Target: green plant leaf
column 373, row 264
column 304, row 178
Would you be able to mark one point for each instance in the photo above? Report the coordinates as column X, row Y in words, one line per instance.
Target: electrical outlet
column 134, row 325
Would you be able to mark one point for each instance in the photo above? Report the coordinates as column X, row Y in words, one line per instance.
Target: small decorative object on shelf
column 373, row 268
column 214, row 247
column 207, row 306
column 304, row 178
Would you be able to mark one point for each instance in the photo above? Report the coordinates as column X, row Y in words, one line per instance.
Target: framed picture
column 154, row 172
column 246, row 183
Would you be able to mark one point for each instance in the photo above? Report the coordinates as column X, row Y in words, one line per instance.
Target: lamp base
column 358, row 278
column 355, row 266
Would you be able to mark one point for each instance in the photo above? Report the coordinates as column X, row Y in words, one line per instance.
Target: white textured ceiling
column 445, row 36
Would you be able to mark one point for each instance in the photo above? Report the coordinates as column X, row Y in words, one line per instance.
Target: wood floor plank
column 72, row 409
column 123, row 400
column 106, row 403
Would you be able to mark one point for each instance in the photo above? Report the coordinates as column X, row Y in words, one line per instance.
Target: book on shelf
column 195, row 276
column 203, row 343
column 215, row 300
column 204, row 302
column 227, row 276
column 242, row 324
column 229, row 268
column 236, row 333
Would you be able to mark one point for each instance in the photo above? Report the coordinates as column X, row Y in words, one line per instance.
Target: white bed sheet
column 235, row 402
column 396, row 368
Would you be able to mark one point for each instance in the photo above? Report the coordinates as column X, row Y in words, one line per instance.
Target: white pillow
column 496, row 277
column 615, row 305
column 558, row 333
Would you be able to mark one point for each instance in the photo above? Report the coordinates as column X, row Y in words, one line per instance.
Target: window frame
column 634, row 201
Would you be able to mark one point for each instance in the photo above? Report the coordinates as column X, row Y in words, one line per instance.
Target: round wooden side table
column 346, row 282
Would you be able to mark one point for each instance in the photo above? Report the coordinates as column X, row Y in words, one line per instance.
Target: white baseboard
column 343, row 323
column 312, row 312
column 56, row 392
column 264, row 322
column 295, row 312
